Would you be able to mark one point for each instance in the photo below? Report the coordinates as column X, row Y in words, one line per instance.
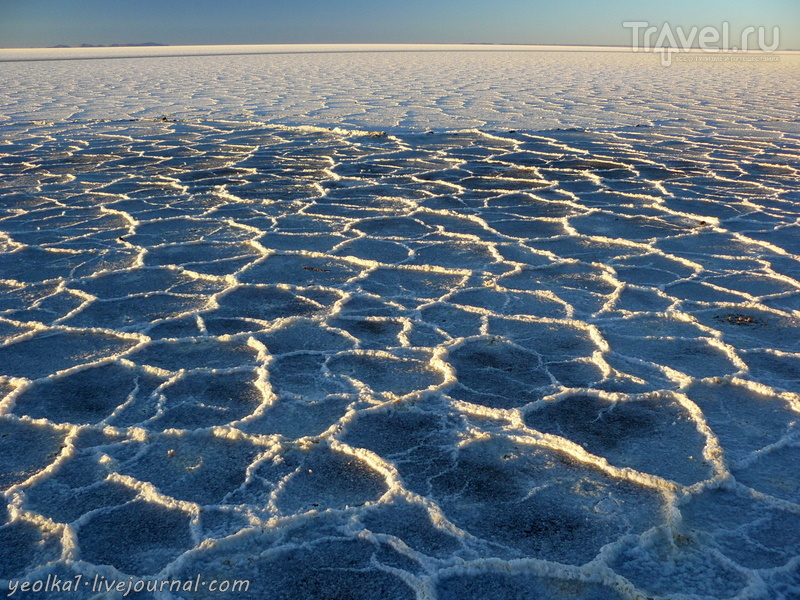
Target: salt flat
column 402, row 324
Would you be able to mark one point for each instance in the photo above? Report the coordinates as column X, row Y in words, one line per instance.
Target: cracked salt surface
column 537, row 364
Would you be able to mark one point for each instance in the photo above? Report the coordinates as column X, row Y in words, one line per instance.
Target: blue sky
column 33, row 23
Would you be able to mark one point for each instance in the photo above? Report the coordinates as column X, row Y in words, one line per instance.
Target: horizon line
column 149, row 50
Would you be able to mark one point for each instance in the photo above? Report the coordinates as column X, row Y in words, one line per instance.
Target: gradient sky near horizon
column 42, row 23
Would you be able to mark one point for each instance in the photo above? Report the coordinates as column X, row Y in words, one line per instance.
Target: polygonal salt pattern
column 552, row 364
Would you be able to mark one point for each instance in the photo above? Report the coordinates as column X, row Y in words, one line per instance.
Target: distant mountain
column 109, row 45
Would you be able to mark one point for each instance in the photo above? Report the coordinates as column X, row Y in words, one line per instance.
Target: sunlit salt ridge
column 535, row 363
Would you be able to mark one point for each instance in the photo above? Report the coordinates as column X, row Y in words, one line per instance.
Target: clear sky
column 41, row 23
